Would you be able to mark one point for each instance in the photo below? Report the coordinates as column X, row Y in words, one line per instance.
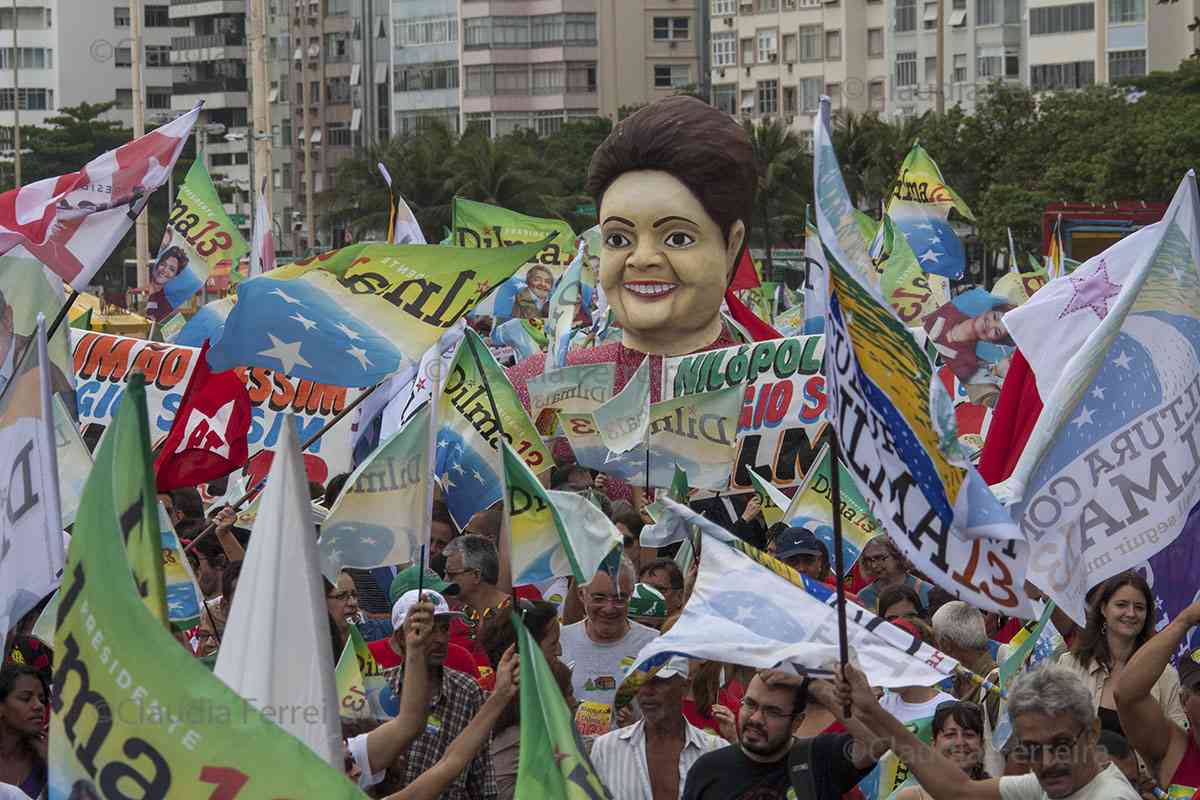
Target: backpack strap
column 800, row 772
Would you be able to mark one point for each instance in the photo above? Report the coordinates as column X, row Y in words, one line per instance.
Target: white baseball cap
column 676, row 665
column 406, row 601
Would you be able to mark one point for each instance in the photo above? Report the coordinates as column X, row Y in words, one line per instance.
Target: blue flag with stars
column 351, row 317
column 920, row 204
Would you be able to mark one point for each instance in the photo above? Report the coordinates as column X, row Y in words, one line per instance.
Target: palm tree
column 784, row 180
column 501, row 172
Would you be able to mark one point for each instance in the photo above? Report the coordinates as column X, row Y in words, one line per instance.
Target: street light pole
column 142, row 225
column 16, row 103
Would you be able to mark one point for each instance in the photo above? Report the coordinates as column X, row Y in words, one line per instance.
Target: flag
column 553, row 764
column 896, row 425
column 527, row 293
column 477, row 408
column 624, row 421
column 28, row 289
column 72, row 223
column 363, row 691
column 208, row 323
column 1055, row 258
column 747, row 607
column 31, row 551
column 351, row 317
column 921, row 202
column 744, row 275
column 275, row 651
column 754, row 327
column 1030, row 646
column 199, row 241
column 570, row 303
column 814, row 280
column 73, row 458
column 1013, row 266
column 1113, row 455
column 582, row 387
column 402, row 224
column 208, row 437
column 262, row 254
column 544, row 545
column 525, row 336
column 697, row 433
column 111, row 655
column 83, row 322
column 1013, row 418
column 378, row 517
column 183, row 595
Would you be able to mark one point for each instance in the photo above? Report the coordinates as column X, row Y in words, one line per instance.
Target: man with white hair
column 599, row 647
column 961, row 632
column 650, row 759
column 1056, row 728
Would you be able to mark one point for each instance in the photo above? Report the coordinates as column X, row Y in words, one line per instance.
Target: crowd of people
column 1105, row 717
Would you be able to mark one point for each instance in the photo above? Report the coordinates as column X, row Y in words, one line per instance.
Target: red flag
column 208, row 437
column 743, row 316
column 744, row 277
column 1016, row 413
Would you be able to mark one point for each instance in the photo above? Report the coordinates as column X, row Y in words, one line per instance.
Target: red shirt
column 1188, row 771
column 463, row 634
column 730, row 697
column 456, row 658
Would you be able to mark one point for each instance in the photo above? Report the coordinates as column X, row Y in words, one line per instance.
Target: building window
column 579, row 29
column 767, row 6
column 124, row 98
column 929, row 16
column 477, row 32
column 671, row 76
column 510, row 32
column 511, row 78
column 789, row 47
column 30, row 58
column 32, row 99
column 158, row 55
column 1123, row 11
column 959, row 75
column 768, row 97
column 1071, row 75
column 671, row 29
column 548, row 78
column 906, row 69
column 875, row 42
column 123, row 57
column 421, row 31
column 157, row 17
column 1062, row 19
column 547, row 123
column 725, row 98
column 724, row 8
column 339, row 134
column 833, row 45
column 767, row 43
column 996, row 12
column 810, row 94
column 789, row 99
column 1126, row 64
column 995, row 67
column 834, row 92
column 875, row 95
column 724, row 49
column 121, row 16
column 906, row 15
column 810, row 43
column 581, row 77
column 158, row 98
column 930, row 69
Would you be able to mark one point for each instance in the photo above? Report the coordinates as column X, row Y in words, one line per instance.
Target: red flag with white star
column 208, row 439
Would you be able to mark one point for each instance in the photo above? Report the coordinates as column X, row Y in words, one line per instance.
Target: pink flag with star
column 1111, row 470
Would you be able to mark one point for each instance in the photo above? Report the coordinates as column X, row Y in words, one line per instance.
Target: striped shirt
column 620, row 759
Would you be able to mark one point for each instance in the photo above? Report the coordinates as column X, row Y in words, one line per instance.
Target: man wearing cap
column 454, row 698
column 801, row 550
column 650, row 759
column 389, row 652
column 647, row 606
column 1159, row 740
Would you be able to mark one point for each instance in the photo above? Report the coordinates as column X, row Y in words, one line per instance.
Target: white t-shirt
column 1109, row 784
column 911, row 712
column 598, row 671
column 357, row 746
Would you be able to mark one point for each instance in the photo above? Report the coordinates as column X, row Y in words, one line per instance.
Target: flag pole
column 835, row 491
column 212, row 526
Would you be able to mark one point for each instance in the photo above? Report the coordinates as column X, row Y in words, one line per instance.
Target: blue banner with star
column 351, row 317
column 920, row 204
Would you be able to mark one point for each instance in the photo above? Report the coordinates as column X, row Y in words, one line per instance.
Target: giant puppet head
column 674, row 185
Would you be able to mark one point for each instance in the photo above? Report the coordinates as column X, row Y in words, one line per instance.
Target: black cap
column 797, row 541
column 1189, row 671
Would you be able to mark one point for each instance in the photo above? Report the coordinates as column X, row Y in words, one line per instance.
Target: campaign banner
column 584, row 387
column 103, row 363
column 363, row 691
column 782, row 426
column 527, row 293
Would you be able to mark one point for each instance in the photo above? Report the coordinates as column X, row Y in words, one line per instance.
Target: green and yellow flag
column 134, row 714
column 553, row 765
column 363, row 692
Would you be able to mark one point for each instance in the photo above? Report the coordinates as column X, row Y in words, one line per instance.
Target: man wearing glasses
column 600, row 647
column 1056, row 727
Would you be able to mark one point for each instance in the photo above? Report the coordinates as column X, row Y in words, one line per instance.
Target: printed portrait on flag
column 969, row 335
column 172, row 280
column 533, row 301
column 26, row 290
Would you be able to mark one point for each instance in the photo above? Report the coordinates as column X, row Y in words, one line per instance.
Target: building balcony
column 210, row 86
column 183, row 9
column 207, row 40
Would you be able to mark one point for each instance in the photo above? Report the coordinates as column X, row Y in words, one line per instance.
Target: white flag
column 262, row 251
column 31, row 549
column 276, row 651
column 402, row 224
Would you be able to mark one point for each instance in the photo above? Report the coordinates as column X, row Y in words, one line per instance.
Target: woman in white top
column 1120, row 620
column 957, row 735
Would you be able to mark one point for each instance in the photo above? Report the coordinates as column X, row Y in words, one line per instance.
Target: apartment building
column 1075, row 44
column 209, row 52
column 984, row 42
column 775, row 58
column 425, row 67
column 69, row 53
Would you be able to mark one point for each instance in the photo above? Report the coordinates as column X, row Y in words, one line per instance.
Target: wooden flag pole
column 839, row 559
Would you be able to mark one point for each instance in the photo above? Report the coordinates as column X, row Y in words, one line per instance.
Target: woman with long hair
column 1120, row 620
column 957, row 735
column 23, row 739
